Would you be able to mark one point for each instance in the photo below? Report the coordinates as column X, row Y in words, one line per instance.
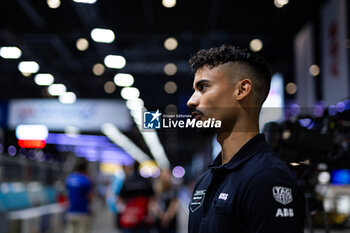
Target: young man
column 79, row 194
column 248, row 188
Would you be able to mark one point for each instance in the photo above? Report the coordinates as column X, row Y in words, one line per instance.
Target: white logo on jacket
column 282, row 195
column 223, row 196
column 197, row 200
column 285, row 212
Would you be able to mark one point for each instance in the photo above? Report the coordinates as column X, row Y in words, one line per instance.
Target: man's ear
column 243, row 88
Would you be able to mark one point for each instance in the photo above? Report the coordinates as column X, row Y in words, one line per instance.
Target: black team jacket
column 254, row 192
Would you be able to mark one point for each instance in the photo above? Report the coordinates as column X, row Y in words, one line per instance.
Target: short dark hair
column 228, row 53
column 81, row 166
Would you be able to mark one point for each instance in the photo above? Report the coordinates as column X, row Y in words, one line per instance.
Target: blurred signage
column 272, row 109
column 334, row 68
column 91, row 147
column 32, row 143
column 87, row 115
column 32, row 136
column 303, row 59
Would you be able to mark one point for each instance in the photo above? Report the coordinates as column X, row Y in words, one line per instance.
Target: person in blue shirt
column 79, row 189
column 248, row 188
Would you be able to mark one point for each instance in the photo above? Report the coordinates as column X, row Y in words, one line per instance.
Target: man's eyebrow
column 200, row 82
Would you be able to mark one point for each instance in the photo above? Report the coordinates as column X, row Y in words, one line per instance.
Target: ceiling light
column 109, row 87
column 33, row 132
column 53, row 3
column 170, row 87
column 136, row 114
column 26, row 74
column 10, row 52
column 170, row 69
column 85, row 1
column 314, row 70
column 171, row 109
column 67, row 98
column 179, row 171
column 123, row 80
column 170, row 43
column 82, row 44
column 124, row 142
column 155, row 146
column 149, row 169
column 11, row 150
column 98, row 69
column 130, row 93
column 44, row 79
column 324, row 177
column 151, row 138
column 134, row 104
column 102, row 35
column 168, row 3
column 256, row 45
column 280, row 3
column 56, row 89
column 115, row 61
column 291, row 88
column 28, row 67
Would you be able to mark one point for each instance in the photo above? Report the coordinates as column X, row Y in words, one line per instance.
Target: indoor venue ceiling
column 48, row 36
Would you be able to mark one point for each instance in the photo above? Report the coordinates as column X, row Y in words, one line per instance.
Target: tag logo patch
column 223, row 196
column 282, row 195
column 197, row 200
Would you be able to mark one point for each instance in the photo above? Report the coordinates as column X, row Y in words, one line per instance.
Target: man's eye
column 204, row 87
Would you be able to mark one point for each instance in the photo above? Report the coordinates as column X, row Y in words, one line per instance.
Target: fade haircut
column 250, row 63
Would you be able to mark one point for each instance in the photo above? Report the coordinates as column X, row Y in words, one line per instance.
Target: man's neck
column 232, row 142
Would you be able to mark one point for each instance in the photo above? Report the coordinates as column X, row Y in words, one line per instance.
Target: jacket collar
column 248, row 150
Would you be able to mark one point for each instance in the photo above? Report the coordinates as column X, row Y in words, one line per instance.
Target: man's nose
column 193, row 101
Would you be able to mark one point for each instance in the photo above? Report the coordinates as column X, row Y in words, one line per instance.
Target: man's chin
column 207, row 131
